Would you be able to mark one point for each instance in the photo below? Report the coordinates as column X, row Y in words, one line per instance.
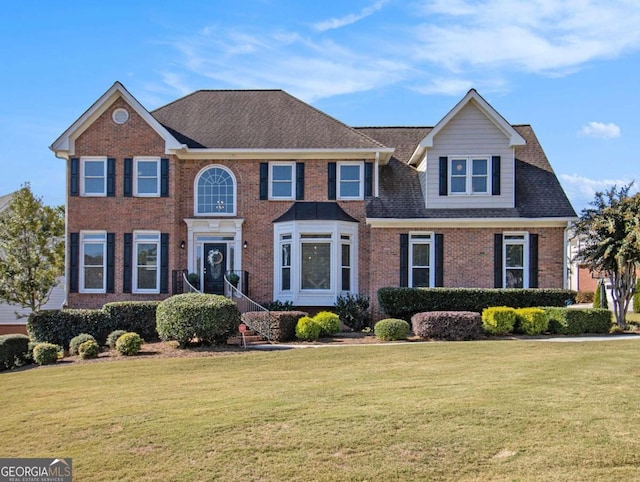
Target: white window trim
column 360, row 195
column 341, row 243
column 82, row 175
column 195, row 192
column 469, row 175
column 432, row 254
column 81, row 266
column 292, row 165
column 135, row 177
column 134, row 263
column 525, row 259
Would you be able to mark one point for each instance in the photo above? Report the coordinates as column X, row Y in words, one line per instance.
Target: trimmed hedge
column 447, row 325
column 283, row 323
column 531, row 321
column 575, row 321
column 391, row 329
column 405, row 302
column 14, row 351
column 307, row 329
column 134, row 316
column 60, row 326
column 46, row 353
column 498, row 320
column 129, row 344
column 329, row 323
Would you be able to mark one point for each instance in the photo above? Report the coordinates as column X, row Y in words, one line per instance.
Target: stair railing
column 261, row 324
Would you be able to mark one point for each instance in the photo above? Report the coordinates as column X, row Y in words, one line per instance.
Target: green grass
column 491, row 410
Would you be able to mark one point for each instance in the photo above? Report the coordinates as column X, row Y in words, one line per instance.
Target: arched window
column 215, row 192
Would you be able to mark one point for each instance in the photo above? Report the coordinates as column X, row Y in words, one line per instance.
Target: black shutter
column 404, row 260
column 444, row 175
column 533, row 261
column 128, row 177
column 368, row 179
column 497, row 260
column 164, row 263
column 164, row 177
column 111, row 241
column 264, row 180
column 331, row 180
column 74, row 259
column 299, row 181
column 74, row 177
column 126, row 265
column 111, row 177
column 495, row 175
column 439, row 261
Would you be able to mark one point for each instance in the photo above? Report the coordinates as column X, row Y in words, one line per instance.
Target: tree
column 31, row 250
column 611, row 228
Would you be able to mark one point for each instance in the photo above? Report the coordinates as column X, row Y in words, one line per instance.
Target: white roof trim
column 231, row 153
column 428, row 223
column 64, row 146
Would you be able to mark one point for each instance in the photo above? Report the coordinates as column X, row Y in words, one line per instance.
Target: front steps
column 250, row 338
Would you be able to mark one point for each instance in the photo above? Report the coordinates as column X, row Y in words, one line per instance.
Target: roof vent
column 120, row 116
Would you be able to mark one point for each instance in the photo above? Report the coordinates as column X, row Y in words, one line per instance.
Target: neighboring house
column 309, row 208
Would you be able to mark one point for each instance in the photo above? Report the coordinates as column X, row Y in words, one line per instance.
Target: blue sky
column 569, row 68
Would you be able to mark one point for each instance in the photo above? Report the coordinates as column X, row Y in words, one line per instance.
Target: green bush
column 277, row 305
column 391, row 329
column 78, row 340
column 113, row 337
column 636, row 298
column 135, row 316
column 531, row 321
column 598, row 302
column 191, row 317
column 46, row 353
column 574, row 321
column 281, row 324
column 14, row 351
column 353, row 310
column 329, row 323
column 88, row 349
column 447, row 325
column 129, row 344
column 498, row 320
column 59, row 326
column 307, row 329
column 405, row 302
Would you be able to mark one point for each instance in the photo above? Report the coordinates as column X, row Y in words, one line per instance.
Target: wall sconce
column 182, row 245
column 245, row 244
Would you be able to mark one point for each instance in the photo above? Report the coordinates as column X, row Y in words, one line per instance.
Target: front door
column 215, row 265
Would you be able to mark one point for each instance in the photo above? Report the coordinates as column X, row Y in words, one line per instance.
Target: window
column 515, row 260
column 350, row 185
column 421, row 256
column 282, row 181
column 93, row 256
column 94, row 176
column 215, row 192
column 315, row 265
column 469, row 175
column 285, row 266
column 146, row 271
column 345, row 262
column 147, row 177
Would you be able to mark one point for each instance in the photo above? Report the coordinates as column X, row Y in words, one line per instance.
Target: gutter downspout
column 66, row 230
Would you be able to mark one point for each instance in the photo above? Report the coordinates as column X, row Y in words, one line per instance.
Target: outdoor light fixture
column 245, row 244
column 182, row 245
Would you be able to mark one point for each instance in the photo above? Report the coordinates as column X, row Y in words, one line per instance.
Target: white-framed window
column 515, row 260
column 93, row 262
column 345, row 263
column 469, row 175
column 285, row 262
column 421, row 260
column 93, row 176
column 215, row 192
column 315, row 261
column 350, row 180
column 282, row 180
column 147, row 177
column 146, row 269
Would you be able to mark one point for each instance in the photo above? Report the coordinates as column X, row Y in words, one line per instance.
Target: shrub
column 129, row 344
column 307, row 329
column 134, row 316
column 636, row 298
column 598, row 302
column 391, row 329
column 447, row 325
column 329, row 323
column 574, row 321
column 59, row 326
column 113, row 337
column 584, row 297
column 277, row 305
column 531, row 321
column 498, row 320
column 281, row 324
column 353, row 311
column 78, row 340
column 88, row 349
column 46, row 353
column 188, row 317
column 14, row 351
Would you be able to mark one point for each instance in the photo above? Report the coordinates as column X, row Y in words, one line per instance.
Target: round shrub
column 45, row 353
column 113, row 337
column 191, row 317
column 76, row 341
column 129, row 344
column 329, row 323
column 447, row 325
column 392, row 329
column 531, row 321
column 498, row 320
column 307, row 329
column 89, row 349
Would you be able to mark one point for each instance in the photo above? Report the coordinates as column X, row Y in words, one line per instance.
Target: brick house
column 304, row 207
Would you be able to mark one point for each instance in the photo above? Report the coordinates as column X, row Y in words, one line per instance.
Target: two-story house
column 261, row 183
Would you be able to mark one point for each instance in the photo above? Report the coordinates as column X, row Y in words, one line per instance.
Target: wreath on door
column 215, row 260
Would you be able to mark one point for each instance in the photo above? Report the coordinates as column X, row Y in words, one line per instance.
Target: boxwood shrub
column 329, row 323
column 59, row 326
column 576, row 321
column 14, row 351
column 46, row 353
column 88, row 349
column 447, row 325
column 531, row 321
column 307, row 329
column 498, row 320
column 282, row 323
column 129, row 344
column 113, row 337
column 134, row 316
column 391, row 329
column 78, row 340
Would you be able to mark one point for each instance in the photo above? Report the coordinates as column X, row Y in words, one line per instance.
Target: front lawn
column 490, row 410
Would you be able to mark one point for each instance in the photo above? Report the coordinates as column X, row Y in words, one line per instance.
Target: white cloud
column 600, row 130
column 581, row 190
column 348, row 19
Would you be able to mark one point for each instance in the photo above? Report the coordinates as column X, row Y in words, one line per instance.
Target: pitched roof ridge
column 213, row 90
column 393, row 127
